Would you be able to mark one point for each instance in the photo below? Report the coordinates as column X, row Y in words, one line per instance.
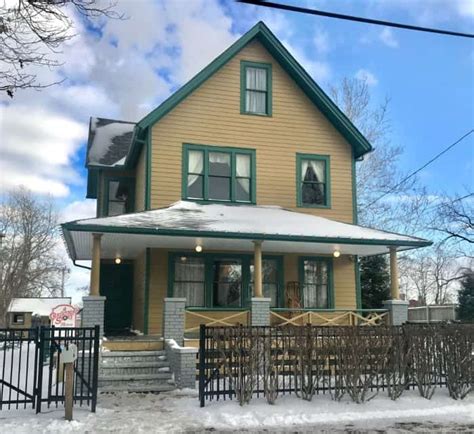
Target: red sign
column 63, row 315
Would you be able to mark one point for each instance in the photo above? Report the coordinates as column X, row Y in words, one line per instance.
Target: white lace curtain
column 256, row 80
column 317, row 167
column 189, row 280
column 242, row 171
column 195, row 165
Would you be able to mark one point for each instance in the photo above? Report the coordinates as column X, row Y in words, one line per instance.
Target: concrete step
column 137, row 387
column 110, row 357
column 110, row 380
column 133, row 369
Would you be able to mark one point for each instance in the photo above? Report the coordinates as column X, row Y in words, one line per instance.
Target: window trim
column 330, row 267
column 233, row 177
column 105, row 201
column 327, row 174
column 244, row 64
column 208, row 283
column 15, row 318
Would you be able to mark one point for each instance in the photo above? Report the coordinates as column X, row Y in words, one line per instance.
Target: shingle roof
column 109, row 142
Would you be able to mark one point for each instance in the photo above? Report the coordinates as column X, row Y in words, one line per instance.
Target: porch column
column 257, row 269
column 398, row 309
column 95, row 269
column 394, row 289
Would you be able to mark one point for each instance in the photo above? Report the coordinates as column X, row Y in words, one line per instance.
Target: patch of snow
column 179, row 411
column 37, row 305
column 103, row 139
column 245, row 219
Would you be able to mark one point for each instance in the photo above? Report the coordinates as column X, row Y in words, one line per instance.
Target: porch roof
column 185, row 224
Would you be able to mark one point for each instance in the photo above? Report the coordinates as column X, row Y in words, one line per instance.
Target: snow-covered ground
column 179, row 412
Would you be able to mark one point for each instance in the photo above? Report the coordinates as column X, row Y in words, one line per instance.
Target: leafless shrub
column 397, row 366
column 457, row 348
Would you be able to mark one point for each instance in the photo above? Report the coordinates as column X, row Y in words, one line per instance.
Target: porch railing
column 210, row 318
column 299, row 317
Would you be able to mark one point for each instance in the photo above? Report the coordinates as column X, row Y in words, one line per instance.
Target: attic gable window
column 256, row 88
column 212, row 173
column 313, row 181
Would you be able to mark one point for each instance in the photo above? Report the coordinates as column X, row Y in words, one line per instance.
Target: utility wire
column 411, row 175
column 292, row 8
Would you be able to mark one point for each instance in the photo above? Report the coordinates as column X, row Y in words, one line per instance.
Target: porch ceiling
column 226, row 227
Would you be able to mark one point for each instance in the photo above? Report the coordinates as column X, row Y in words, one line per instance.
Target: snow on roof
column 109, row 142
column 264, row 221
column 40, row 306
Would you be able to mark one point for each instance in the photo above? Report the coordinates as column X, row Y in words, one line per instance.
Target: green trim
column 148, row 170
column 208, row 280
column 261, row 32
column 146, row 295
column 244, row 64
column 357, row 281
column 104, row 208
column 330, row 266
column 327, row 175
column 205, row 174
column 354, row 191
column 76, row 227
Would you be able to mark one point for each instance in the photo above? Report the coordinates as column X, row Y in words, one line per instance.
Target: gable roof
column 263, row 34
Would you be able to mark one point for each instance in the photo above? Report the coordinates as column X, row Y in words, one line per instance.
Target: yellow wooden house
column 241, row 185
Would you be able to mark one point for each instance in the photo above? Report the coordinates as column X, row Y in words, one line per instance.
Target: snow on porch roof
column 41, row 306
column 243, row 222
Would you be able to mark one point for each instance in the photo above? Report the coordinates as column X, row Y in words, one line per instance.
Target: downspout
column 81, row 266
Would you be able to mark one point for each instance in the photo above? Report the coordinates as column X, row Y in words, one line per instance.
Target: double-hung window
column 256, row 88
column 316, row 282
column 119, row 196
column 313, row 181
column 218, row 174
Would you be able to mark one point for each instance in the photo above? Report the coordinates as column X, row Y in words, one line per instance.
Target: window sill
column 314, row 206
column 266, row 115
column 215, row 201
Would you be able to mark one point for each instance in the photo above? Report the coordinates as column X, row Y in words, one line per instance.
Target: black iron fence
column 32, row 370
column 243, row 362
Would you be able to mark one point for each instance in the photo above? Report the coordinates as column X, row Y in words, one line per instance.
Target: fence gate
column 32, row 372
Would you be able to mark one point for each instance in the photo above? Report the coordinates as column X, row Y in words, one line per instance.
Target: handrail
column 214, row 321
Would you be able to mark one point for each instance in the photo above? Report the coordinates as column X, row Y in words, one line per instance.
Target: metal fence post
column 95, row 371
column 202, row 362
column 39, row 384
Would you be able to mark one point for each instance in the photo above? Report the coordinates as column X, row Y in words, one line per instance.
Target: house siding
column 138, row 299
column 211, row 116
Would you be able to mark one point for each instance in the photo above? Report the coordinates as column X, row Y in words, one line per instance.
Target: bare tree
column 455, row 221
column 32, row 33
column 31, row 264
column 378, row 173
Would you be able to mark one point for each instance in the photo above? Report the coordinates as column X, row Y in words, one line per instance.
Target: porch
column 315, row 272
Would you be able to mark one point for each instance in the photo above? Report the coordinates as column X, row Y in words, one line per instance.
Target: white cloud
column 367, row 76
column 388, row 38
column 78, row 210
column 319, row 70
column 321, row 42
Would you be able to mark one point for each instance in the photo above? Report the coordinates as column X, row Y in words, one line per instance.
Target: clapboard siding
column 211, row 116
column 138, row 299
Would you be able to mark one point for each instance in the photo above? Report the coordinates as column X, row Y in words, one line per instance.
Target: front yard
column 179, row 412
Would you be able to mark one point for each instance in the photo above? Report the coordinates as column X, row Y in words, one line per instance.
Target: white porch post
column 95, row 269
column 257, row 270
column 394, row 289
column 93, row 311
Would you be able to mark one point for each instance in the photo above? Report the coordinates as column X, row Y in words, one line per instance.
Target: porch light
column 198, row 248
column 183, row 258
column 118, row 260
column 336, row 253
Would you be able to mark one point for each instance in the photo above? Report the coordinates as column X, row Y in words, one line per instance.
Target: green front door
column 116, row 283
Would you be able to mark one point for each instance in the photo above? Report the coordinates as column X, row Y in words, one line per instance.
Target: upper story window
column 256, row 88
column 218, row 174
column 119, row 196
column 313, row 180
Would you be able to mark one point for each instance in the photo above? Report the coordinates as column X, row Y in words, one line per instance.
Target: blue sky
column 123, row 69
